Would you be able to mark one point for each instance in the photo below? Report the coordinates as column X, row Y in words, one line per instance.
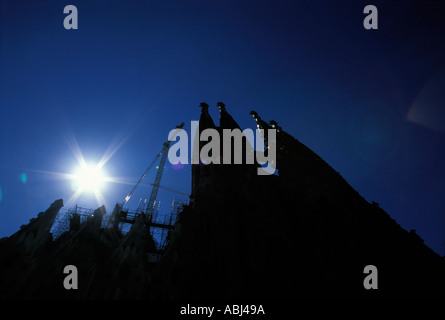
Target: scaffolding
column 121, row 218
column 66, row 220
column 160, row 225
column 163, row 227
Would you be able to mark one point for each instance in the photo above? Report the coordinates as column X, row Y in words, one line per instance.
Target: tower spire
column 205, row 121
column 261, row 124
column 225, row 119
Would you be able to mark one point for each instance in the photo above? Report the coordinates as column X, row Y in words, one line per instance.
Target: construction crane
column 155, row 189
column 140, row 179
column 169, row 189
column 154, row 192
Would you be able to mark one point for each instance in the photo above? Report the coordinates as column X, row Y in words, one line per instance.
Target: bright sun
column 89, row 178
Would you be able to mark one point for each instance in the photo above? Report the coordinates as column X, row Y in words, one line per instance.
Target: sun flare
column 89, row 178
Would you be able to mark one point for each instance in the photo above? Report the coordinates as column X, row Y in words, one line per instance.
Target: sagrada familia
column 303, row 233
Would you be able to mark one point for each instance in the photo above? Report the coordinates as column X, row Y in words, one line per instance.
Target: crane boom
column 141, row 178
column 154, row 191
column 163, row 152
column 175, row 191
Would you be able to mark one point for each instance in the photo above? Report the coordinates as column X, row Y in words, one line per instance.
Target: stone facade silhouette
column 304, row 233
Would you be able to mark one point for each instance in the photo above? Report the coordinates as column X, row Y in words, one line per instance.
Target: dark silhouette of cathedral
column 303, row 233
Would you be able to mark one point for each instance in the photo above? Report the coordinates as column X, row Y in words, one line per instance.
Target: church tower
column 304, row 233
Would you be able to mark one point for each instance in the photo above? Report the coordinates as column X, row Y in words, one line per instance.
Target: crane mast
column 121, row 215
column 154, row 192
column 155, row 189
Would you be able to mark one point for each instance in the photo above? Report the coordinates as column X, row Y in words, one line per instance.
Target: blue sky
column 369, row 102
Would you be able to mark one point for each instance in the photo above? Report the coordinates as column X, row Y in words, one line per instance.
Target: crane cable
column 140, row 179
column 127, row 198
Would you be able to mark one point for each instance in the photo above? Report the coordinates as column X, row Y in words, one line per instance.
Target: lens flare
column 428, row 109
column 90, row 178
column 23, row 178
